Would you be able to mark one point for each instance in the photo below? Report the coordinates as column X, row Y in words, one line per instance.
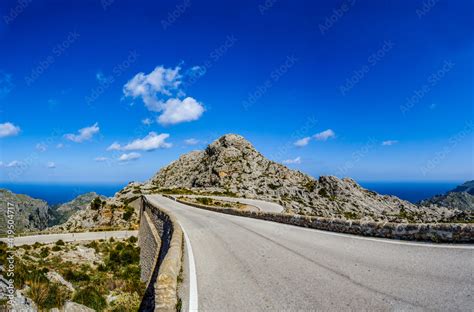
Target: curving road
column 245, row 264
column 70, row 237
column 260, row 204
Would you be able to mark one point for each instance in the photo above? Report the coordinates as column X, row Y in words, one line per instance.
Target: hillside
column 30, row 214
column 233, row 167
column 66, row 210
column 462, row 198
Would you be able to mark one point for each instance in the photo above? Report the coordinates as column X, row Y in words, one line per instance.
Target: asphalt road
column 244, row 264
column 70, row 237
column 260, row 204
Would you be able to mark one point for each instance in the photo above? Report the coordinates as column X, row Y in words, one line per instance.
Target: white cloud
column 161, row 80
column 147, row 121
column 161, row 92
column 178, row 111
column 14, row 163
column 130, row 156
column 191, row 141
column 84, row 134
column 101, row 159
column 297, row 160
column 60, row 145
column 151, row 142
column 325, row 135
column 114, row 147
column 389, row 142
column 8, row 129
column 302, row 142
column 41, row 147
column 51, row 165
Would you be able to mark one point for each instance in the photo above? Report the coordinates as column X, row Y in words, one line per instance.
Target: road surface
column 244, row 264
column 260, row 204
column 70, row 237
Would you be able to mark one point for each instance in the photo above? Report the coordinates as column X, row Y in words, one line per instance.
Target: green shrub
column 91, row 298
column 44, row 252
column 76, row 276
column 96, row 203
column 60, row 243
column 128, row 213
column 56, row 248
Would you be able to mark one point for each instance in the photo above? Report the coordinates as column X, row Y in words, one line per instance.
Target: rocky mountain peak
column 230, row 144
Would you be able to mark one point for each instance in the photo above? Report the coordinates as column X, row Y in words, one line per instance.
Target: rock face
column 232, row 166
column 102, row 212
column 30, row 214
column 81, row 202
column 462, row 198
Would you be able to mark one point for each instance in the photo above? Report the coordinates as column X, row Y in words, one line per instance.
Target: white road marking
column 193, row 293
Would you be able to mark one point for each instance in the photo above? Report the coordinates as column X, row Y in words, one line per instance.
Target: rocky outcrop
column 462, row 198
column 105, row 213
column 81, row 202
column 232, row 166
column 29, row 214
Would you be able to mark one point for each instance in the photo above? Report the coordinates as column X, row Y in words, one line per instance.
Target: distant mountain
column 29, row 214
column 232, row 166
column 462, row 198
column 66, row 210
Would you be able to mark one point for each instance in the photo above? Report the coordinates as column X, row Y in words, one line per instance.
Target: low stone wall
column 160, row 240
column 435, row 232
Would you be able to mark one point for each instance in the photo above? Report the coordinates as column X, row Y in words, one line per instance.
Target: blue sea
column 61, row 193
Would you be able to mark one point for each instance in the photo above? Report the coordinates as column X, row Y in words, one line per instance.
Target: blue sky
column 375, row 90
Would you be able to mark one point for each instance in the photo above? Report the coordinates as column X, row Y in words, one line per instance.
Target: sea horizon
column 60, row 192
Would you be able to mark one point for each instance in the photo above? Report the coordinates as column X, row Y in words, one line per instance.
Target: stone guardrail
column 435, row 232
column 160, row 238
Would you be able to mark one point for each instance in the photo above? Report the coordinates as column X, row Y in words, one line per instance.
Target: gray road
column 244, row 264
column 70, row 237
column 260, row 204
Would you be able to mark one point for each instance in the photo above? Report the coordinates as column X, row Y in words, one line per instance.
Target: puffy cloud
column 130, row 156
column 41, row 147
column 114, row 147
column 85, row 134
column 325, row 135
column 101, row 159
column 161, row 91
column 150, row 142
column 8, row 129
column 389, row 142
column 191, row 141
column 147, row 121
column 51, row 165
column 177, row 111
column 302, row 142
column 161, row 80
column 297, row 160
column 14, row 163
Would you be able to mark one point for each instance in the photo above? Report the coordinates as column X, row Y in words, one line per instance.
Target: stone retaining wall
column 435, row 232
column 160, row 239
